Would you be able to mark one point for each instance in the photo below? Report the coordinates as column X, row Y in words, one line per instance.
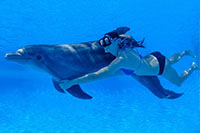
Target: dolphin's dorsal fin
column 121, row 30
column 75, row 90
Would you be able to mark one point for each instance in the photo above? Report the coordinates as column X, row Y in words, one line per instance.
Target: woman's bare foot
column 190, row 53
column 195, row 66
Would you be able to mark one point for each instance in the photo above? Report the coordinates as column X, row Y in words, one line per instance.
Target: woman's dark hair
column 130, row 43
column 126, row 40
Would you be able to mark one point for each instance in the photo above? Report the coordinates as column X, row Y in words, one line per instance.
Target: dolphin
column 69, row 61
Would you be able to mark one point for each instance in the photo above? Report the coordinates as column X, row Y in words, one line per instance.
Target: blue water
column 30, row 104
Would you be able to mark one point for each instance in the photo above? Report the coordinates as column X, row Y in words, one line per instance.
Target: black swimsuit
column 160, row 58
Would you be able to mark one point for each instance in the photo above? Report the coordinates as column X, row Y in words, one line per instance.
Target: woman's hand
column 65, row 84
column 108, row 38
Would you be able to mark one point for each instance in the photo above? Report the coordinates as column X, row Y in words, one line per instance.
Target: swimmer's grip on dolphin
column 75, row 91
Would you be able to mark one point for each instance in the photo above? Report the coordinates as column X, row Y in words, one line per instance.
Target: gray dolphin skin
column 69, row 61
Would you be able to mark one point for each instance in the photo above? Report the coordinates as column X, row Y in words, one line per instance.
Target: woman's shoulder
column 127, row 51
column 129, row 54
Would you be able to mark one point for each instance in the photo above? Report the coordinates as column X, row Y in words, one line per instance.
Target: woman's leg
column 175, row 58
column 171, row 74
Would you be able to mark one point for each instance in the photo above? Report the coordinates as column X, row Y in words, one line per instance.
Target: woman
column 127, row 59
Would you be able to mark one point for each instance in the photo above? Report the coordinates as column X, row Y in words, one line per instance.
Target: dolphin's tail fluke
column 171, row 95
column 153, row 84
column 75, row 91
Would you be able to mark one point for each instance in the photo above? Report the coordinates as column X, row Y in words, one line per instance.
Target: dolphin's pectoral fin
column 57, row 86
column 153, row 84
column 76, row 91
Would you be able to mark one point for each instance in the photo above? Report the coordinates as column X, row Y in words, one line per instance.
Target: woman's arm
column 106, row 71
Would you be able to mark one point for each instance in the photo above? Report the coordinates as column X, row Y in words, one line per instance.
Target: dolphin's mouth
column 19, row 55
column 14, row 56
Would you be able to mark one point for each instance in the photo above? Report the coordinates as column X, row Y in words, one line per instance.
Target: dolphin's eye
column 38, row 57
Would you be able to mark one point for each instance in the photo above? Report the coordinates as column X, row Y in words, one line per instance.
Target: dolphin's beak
column 18, row 56
column 13, row 56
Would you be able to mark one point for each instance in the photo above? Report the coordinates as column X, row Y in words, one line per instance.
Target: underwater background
column 30, row 104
